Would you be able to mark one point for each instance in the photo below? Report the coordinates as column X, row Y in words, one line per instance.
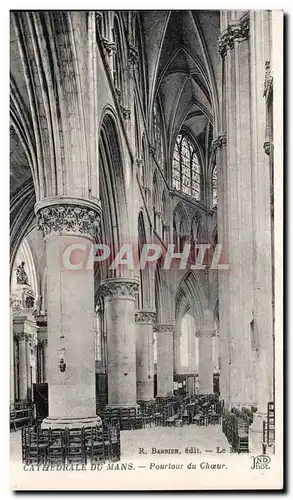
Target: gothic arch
column 191, row 289
column 115, row 220
column 181, row 218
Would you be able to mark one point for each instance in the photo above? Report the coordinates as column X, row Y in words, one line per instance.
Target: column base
column 71, row 423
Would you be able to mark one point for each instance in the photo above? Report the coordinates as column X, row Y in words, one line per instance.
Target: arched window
column 187, row 343
column 215, row 186
column 186, row 168
column 117, row 61
column 157, row 134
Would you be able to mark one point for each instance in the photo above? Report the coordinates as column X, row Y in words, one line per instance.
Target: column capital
column 117, row 288
column 146, row 316
column 65, row 215
column 160, row 328
column 22, row 336
column 126, row 113
column 237, row 31
column 219, row 142
column 206, row 333
column 110, row 47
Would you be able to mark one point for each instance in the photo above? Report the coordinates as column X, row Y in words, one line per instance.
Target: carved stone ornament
column 99, row 18
column 21, row 275
column 133, row 55
column 113, row 288
column 236, row 32
column 268, row 147
column 152, row 150
column 206, row 333
column 126, row 113
column 68, row 219
column 145, row 316
column 219, row 142
column 164, row 328
column 42, row 343
column 110, row 48
column 268, row 83
column 23, row 336
column 139, row 163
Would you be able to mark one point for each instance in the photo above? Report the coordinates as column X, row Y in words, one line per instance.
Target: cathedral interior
column 127, row 129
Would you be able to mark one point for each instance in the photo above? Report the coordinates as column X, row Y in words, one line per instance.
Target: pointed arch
column 115, row 220
column 191, row 288
column 181, row 218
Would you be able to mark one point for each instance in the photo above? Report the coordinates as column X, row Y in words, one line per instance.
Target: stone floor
column 188, row 440
column 156, row 458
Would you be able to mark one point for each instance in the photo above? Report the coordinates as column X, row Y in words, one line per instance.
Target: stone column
column 12, row 367
column 70, row 224
column 206, row 368
column 219, row 148
column 165, row 361
column 262, row 156
column 42, row 324
column 23, row 366
column 144, row 354
column 42, row 360
column 119, row 303
column 234, row 48
column 45, row 360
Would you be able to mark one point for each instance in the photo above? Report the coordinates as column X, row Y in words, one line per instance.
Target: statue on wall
column 21, row 276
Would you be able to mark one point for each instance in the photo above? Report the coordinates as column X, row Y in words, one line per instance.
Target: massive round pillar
column 119, row 299
column 69, row 229
column 165, row 360
column 236, row 226
column 144, row 354
column 206, row 365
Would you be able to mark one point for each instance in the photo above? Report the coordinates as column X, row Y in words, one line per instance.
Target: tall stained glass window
column 158, row 140
column 186, row 169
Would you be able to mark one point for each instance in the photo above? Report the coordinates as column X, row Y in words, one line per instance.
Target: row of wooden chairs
column 124, row 418
column 21, row 414
column 70, row 446
column 268, row 438
column 236, row 430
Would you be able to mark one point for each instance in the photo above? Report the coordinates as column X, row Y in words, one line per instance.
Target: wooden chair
column 94, row 444
column 75, row 446
column 115, row 417
column 114, row 437
column 37, row 446
column 125, row 420
column 56, row 448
